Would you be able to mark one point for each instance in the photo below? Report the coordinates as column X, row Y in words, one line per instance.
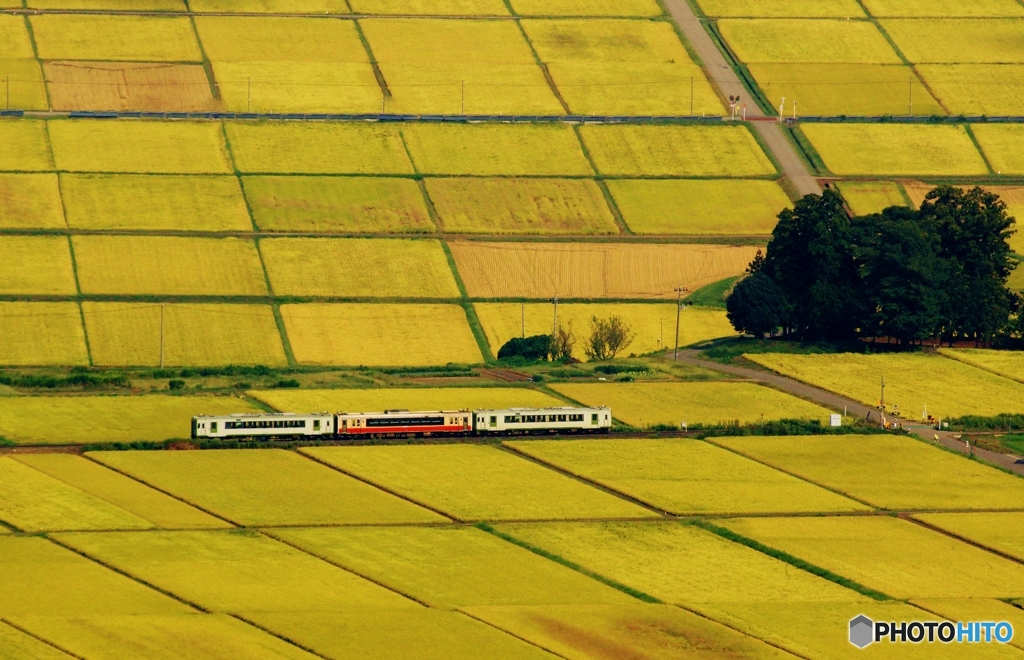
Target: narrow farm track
column 722, row 76
column 834, row 401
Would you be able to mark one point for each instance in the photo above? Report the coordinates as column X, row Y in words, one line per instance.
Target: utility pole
column 463, row 97
column 910, row 95
column 523, row 310
column 8, row 92
column 248, row 95
column 383, row 98
column 881, row 402
column 162, row 335
column 781, row 106
column 554, row 323
column 679, row 308
column 691, row 96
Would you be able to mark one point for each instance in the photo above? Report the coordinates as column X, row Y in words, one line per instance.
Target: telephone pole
column 554, row 323
column 248, row 95
column 522, row 309
column 679, row 308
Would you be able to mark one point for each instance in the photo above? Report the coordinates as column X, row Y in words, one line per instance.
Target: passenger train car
column 403, row 423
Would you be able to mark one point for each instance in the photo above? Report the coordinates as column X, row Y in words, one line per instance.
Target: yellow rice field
column 866, row 197
column 358, row 267
column 820, row 630
column 976, row 609
column 998, row 531
column 33, row 502
column 166, row 265
column 279, row 39
column 426, row 633
column 313, row 148
column 682, row 150
column 976, row 89
column 895, row 149
column 27, row 89
column 271, row 6
column 496, row 149
column 916, row 476
column 621, row 67
column 125, row 86
column 303, row 87
column 122, row 5
column 520, row 206
column 41, row 333
column 448, row 567
column 36, row 265
column 272, row 487
column 473, row 482
column 654, row 324
column 408, row 398
column 998, row 143
column 797, row 40
column 593, row 270
column 1004, row 363
column 843, row 88
column 119, row 490
column 944, row 387
column 17, row 644
column 380, row 334
column 337, row 204
column 15, row 42
column 656, row 632
column 685, row 476
column 783, row 8
column 130, row 38
column 40, row 578
column 23, row 146
column 957, row 41
column 586, row 8
column 435, row 65
column 943, row 8
column 213, row 636
column 234, row 571
column 677, row 563
column 431, row 7
column 895, row 557
column 144, row 146
column 699, row 207
column 86, row 419
column 128, row 334
column 181, row 203
column 647, row 404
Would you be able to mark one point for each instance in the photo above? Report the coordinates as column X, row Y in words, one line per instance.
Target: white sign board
column 836, row 420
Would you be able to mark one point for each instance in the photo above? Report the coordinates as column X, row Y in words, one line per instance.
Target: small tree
column 608, row 337
column 531, row 349
column 756, row 306
column 563, row 343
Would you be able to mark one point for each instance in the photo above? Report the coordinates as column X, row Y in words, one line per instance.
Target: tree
column 902, row 274
column 757, row 305
column 608, row 337
column 563, row 343
column 810, row 257
column 528, row 348
column 973, row 229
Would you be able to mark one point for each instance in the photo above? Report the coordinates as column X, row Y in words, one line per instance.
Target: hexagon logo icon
column 862, row 631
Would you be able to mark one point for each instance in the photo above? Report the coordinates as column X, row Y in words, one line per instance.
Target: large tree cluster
column 938, row 272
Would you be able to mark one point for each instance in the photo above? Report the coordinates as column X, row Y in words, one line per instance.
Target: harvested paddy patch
column 127, row 86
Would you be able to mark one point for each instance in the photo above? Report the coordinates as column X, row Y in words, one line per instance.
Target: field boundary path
column 722, row 76
column 947, row 439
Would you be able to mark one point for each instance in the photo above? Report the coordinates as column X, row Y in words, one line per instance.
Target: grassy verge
column 712, row 295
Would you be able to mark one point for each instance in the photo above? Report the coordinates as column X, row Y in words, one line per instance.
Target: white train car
column 392, row 423
column 262, row 425
column 539, row 420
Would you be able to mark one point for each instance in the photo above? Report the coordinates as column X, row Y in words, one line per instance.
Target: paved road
column 728, row 83
column 836, row 402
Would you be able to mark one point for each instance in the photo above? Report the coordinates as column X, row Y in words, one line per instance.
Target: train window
column 561, row 418
column 316, row 424
column 213, row 426
column 494, row 420
column 593, row 418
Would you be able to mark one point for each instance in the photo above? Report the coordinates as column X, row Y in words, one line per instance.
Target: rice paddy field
column 644, row 405
column 653, row 324
column 219, row 266
column 916, row 383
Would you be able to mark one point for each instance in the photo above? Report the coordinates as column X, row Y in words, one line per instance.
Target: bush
column 291, row 382
column 614, row 369
column 176, row 384
column 531, row 349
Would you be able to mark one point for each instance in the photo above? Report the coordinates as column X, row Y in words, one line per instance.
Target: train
column 404, row 423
